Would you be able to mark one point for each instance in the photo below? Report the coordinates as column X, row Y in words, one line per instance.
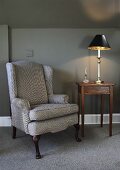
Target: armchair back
column 30, row 81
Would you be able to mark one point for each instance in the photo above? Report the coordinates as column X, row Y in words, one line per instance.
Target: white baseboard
column 5, row 121
column 89, row 119
column 95, row 118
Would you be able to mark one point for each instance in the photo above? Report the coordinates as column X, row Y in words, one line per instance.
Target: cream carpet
column 60, row 151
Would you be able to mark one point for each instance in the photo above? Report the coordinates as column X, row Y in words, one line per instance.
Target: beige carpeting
column 60, row 151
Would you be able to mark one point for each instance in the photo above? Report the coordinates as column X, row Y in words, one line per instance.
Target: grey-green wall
column 66, row 51
column 4, row 53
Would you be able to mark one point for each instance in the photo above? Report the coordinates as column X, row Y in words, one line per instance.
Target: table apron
column 96, row 90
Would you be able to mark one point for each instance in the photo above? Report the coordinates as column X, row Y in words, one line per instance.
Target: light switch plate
column 29, row 53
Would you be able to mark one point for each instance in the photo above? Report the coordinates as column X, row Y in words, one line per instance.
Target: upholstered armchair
column 35, row 109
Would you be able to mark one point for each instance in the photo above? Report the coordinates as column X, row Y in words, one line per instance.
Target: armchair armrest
column 58, row 98
column 20, row 117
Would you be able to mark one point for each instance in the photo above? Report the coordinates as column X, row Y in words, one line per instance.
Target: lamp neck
column 98, row 76
column 98, row 53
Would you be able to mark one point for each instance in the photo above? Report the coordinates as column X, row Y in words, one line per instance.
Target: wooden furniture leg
column 77, row 127
column 82, row 111
column 36, row 140
column 102, row 109
column 110, row 110
column 14, row 132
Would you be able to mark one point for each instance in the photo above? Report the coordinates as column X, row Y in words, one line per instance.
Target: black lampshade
column 99, row 43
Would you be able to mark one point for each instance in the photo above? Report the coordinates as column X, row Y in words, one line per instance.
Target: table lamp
column 99, row 43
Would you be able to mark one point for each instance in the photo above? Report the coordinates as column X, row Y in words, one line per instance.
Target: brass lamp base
column 98, row 82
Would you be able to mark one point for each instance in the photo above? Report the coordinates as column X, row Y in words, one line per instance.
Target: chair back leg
column 14, row 132
column 77, row 127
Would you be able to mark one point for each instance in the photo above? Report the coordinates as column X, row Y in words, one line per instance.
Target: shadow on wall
column 4, row 99
column 63, row 85
column 85, row 42
column 60, row 81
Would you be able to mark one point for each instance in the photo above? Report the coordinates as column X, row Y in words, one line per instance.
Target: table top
column 93, row 83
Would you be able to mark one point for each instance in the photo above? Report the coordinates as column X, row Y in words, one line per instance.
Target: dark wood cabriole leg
column 77, row 127
column 36, row 140
column 14, row 132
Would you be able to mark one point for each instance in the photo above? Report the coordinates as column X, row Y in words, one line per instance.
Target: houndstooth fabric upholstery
column 30, row 86
column 52, row 125
column 48, row 111
column 58, row 99
column 30, row 82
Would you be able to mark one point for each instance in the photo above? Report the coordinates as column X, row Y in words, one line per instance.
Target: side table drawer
column 96, row 90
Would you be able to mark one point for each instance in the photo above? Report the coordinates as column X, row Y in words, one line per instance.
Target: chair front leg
column 36, row 140
column 77, row 127
column 14, row 132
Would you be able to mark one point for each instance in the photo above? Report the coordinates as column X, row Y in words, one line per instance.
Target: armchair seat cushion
column 49, row 111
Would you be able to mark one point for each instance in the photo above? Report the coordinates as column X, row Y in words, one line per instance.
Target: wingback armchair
column 35, row 108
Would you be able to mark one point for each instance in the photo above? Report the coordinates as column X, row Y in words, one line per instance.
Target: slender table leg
column 82, row 111
column 79, row 105
column 110, row 110
column 102, row 109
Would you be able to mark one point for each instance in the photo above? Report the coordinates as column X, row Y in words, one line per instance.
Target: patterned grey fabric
column 58, row 98
column 29, row 87
column 48, row 71
column 52, row 125
column 48, row 111
column 20, row 114
column 11, row 81
column 30, row 82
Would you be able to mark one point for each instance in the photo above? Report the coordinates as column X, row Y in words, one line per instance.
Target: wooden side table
column 92, row 88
